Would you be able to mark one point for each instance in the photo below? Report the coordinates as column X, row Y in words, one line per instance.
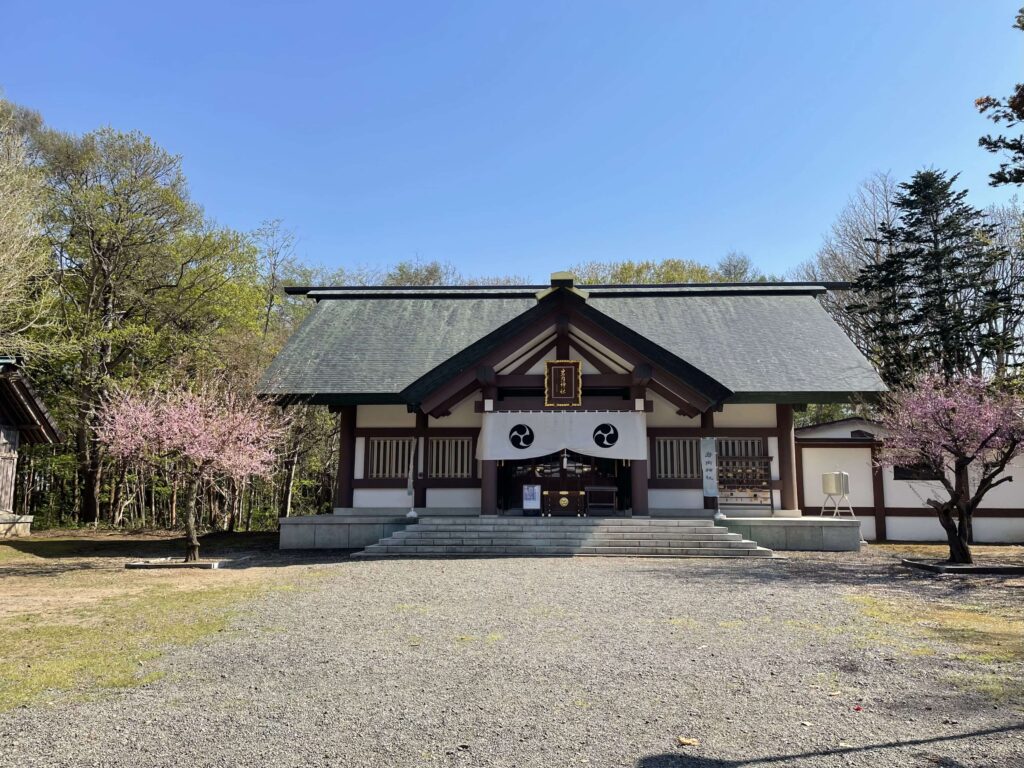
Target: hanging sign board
column 563, row 383
column 709, row 465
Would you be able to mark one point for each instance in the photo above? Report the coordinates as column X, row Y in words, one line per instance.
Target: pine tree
column 933, row 302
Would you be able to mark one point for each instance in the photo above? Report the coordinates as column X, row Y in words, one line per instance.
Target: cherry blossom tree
column 964, row 431
column 204, row 435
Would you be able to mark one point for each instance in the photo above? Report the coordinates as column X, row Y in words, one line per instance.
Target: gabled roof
column 22, row 408
column 765, row 342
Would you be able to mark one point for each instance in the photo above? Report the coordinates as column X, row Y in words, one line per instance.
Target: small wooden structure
column 24, row 420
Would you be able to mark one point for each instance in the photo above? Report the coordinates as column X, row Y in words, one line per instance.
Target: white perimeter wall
column 854, row 461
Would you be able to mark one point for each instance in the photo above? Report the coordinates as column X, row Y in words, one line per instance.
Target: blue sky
column 521, row 137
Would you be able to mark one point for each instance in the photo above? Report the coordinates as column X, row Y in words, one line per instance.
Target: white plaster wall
column 452, row 498
column 588, row 367
column 675, row 498
column 1001, row 530
column 381, row 497
column 538, row 368
column 746, row 415
column 463, row 415
column 914, row 529
column 987, row 530
column 360, row 459
column 664, row 414
column 867, row 528
column 1008, row 495
column 854, row 461
column 909, row 493
column 384, row 416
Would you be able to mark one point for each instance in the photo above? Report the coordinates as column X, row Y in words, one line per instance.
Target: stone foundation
column 13, row 526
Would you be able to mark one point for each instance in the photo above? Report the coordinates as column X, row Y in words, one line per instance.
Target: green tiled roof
column 762, row 342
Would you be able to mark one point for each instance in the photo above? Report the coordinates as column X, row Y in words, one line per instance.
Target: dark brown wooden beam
column 590, row 403
column 590, row 356
column 562, row 337
column 638, row 474
column 683, row 406
column 799, row 476
column 534, row 356
column 590, row 380
column 787, row 458
column 445, row 406
column 714, row 432
column 488, row 487
column 419, row 492
column 878, row 492
column 346, row 456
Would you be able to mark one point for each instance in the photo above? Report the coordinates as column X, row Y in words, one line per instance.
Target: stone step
column 387, row 550
column 568, row 541
column 504, row 537
column 569, row 520
column 573, row 546
column 582, row 530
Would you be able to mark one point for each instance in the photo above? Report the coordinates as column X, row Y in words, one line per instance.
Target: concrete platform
column 14, row 526
column 799, row 534
column 338, row 531
column 346, row 530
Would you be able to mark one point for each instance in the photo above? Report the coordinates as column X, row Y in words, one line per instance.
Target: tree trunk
column 289, row 480
column 191, row 535
column 173, row 522
column 957, row 535
column 247, row 503
column 89, row 471
column 232, row 504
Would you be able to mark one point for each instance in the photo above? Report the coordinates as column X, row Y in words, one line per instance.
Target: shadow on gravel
column 676, row 760
column 835, row 570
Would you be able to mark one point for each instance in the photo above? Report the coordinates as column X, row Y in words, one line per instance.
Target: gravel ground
column 552, row 662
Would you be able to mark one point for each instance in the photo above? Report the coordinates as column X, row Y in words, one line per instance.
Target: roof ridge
column 596, row 290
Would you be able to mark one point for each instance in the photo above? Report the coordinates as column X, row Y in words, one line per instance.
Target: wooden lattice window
column 677, row 458
column 450, row 457
column 389, row 458
column 740, row 447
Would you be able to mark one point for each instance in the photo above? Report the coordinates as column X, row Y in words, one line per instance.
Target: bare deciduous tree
column 851, row 244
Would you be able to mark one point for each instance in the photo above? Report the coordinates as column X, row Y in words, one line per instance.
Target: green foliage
column 933, row 301
column 1008, row 112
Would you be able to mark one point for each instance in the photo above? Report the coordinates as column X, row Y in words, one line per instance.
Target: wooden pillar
column 346, row 456
column 707, row 422
column 488, row 487
column 799, row 477
column 787, row 455
column 878, row 493
column 419, row 479
column 638, row 472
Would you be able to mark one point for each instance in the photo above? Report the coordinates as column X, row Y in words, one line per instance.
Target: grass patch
column 978, row 634
column 108, row 644
column 74, row 620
